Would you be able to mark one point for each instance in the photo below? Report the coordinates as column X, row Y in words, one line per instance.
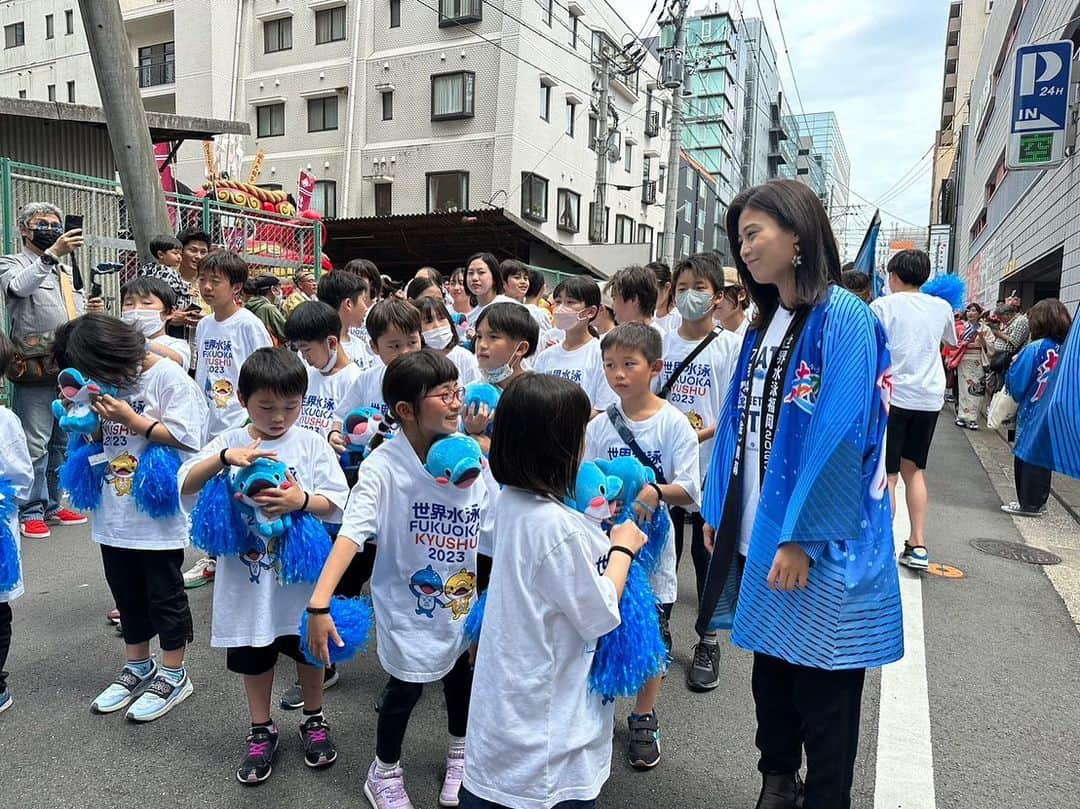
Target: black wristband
column 659, row 494
column 331, row 433
column 623, row 549
column 150, row 429
column 307, row 499
column 318, row 610
column 221, row 457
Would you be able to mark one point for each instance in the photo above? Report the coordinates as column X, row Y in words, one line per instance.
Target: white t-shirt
column 358, row 350
column 366, row 391
column 700, row 389
column 251, row 608
column 424, row 581
column 319, row 410
column 916, row 324
column 751, row 458
column 163, row 393
column 468, row 370
column 669, row 322
column 17, row 469
column 179, row 345
column 584, row 365
column 671, row 443
column 545, row 737
column 222, row 347
column 541, row 316
column 476, row 310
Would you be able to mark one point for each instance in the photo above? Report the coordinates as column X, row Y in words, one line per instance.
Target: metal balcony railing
column 652, row 124
column 157, row 73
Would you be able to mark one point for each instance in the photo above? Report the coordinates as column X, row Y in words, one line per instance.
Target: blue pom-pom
column 475, row 620
column 9, row 549
column 657, row 531
column 216, row 525
column 154, row 487
column 79, row 479
column 631, row 654
column 947, row 287
column 353, row 618
column 303, row 550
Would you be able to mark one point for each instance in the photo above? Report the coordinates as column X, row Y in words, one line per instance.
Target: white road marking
column 905, row 757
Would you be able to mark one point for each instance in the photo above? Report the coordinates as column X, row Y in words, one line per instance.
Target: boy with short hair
column 633, row 296
column 699, row 362
column 662, row 438
column 315, row 330
column 730, row 312
column 350, row 296
column 146, row 305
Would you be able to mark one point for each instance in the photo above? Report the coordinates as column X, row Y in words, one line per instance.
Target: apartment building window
column 69, row 22
column 624, row 229
column 979, row 225
column 384, row 199
column 322, row 114
column 456, row 12
column 573, row 31
column 571, row 114
column 685, row 245
column 269, row 186
column 157, row 64
column 599, row 237
column 534, row 203
column 594, row 124
column 452, row 95
column 569, row 206
column 701, row 218
column 49, row 32
column 661, row 179
column 22, row 93
column 545, row 102
column 270, row 120
column 388, row 105
column 395, row 18
column 996, row 177
column 51, row 90
column 14, row 35
column 645, row 236
column 547, row 7
column 71, row 92
column 628, row 157
column 324, row 198
column 277, row 35
column 447, row 191
column 330, row 25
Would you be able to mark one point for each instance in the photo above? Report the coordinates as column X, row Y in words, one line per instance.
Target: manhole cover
column 1016, row 551
column 945, row 571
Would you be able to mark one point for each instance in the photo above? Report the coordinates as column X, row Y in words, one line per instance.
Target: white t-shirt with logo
column 546, row 738
column 366, row 391
column 669, row 441
column 468, row 369
column 162, row 393
column 751, row 454
column 669, row 322
column 179, row 345
column 916, row 324
column 584, row 365
column 700, row 389
column 319, row 410
column 17, row 469
column 251, row 607
column 358, row 350
column 424, row 581
column 222, row 347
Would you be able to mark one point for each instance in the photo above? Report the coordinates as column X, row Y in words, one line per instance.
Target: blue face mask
column 694, row 304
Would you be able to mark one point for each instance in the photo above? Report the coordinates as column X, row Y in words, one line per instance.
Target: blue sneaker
column 5, row 700
column 914, row 557
column 160, row 697
column 121, row 691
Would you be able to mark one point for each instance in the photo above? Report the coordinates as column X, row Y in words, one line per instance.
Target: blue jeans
column 470, row 801
column 46, row 442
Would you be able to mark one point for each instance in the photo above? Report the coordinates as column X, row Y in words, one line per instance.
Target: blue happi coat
column 1048, row 428
column 1028, row 379
column 825, row 488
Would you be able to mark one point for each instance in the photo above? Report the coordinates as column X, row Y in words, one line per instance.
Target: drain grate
column 1016, row 551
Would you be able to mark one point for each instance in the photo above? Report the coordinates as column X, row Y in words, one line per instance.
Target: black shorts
column 256, row 660
column 908, row 437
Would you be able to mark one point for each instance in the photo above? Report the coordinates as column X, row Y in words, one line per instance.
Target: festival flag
column 864, row 261
column 305, row 187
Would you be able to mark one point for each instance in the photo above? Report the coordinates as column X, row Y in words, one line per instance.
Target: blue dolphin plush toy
column 360, row 429
column 455, row 460
column 248, row 481
column 482, row 393
column 594, row 492
column 633, row 475
column 72, row 409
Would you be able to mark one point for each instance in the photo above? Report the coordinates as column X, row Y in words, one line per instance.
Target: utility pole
column 126, row 119
column 673, row 75
column 603, row 135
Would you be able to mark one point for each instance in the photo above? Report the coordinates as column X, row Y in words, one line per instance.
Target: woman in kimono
column 797, row 498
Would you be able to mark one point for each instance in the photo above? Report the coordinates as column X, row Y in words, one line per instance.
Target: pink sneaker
column 451, row 785
column 386, row 790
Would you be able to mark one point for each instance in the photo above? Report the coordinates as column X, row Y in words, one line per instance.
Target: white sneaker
column 121, row 691
column 451, row 785
column 200, row 573
column 386, row 790
column 160, row 697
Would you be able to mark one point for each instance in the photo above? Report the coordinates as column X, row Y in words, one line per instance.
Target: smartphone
column 194, row 307
column 73, row 222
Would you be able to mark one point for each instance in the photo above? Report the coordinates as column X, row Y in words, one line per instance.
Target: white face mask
column 145, row 321
column 566, row 318
column 326, row 369
column 438, row 337
column 694, row 304
column 502, row 373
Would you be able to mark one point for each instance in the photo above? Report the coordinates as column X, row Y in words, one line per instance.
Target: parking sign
column 1041, row 105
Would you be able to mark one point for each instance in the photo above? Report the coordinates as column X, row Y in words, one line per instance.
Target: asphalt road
column 1003, row 666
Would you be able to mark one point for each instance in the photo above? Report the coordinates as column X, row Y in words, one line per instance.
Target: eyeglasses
column 449, row 396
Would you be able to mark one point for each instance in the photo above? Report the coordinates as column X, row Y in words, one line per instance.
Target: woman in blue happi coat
column 798, row 499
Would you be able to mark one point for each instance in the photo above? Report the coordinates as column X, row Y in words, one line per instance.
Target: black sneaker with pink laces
column 319, row 750
column 261, row 744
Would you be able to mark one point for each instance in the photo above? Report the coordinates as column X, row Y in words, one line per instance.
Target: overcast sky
column 878, row 66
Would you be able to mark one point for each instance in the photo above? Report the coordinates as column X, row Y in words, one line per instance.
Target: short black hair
column 365, row 269
column 634, row 337
column 277, row 370
column 78, row 344
column 536, row 283
column 227, row 263
column 186, row 237
column 411, row 377
column 701, row 265
column 579, row 288
column 312, row 321
column 418, row 286
column 912, row 267
column 636, row 283
column 855, row 280
column 149, row 285
column 163, row 242
column 7, row 352
column 392, row 312
column 661, row 270
column 339, row 286
column 493, row 267
column 538, row 434
column 431, row 274
column 513, row 320
column 435, row 309
column 511, row 266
